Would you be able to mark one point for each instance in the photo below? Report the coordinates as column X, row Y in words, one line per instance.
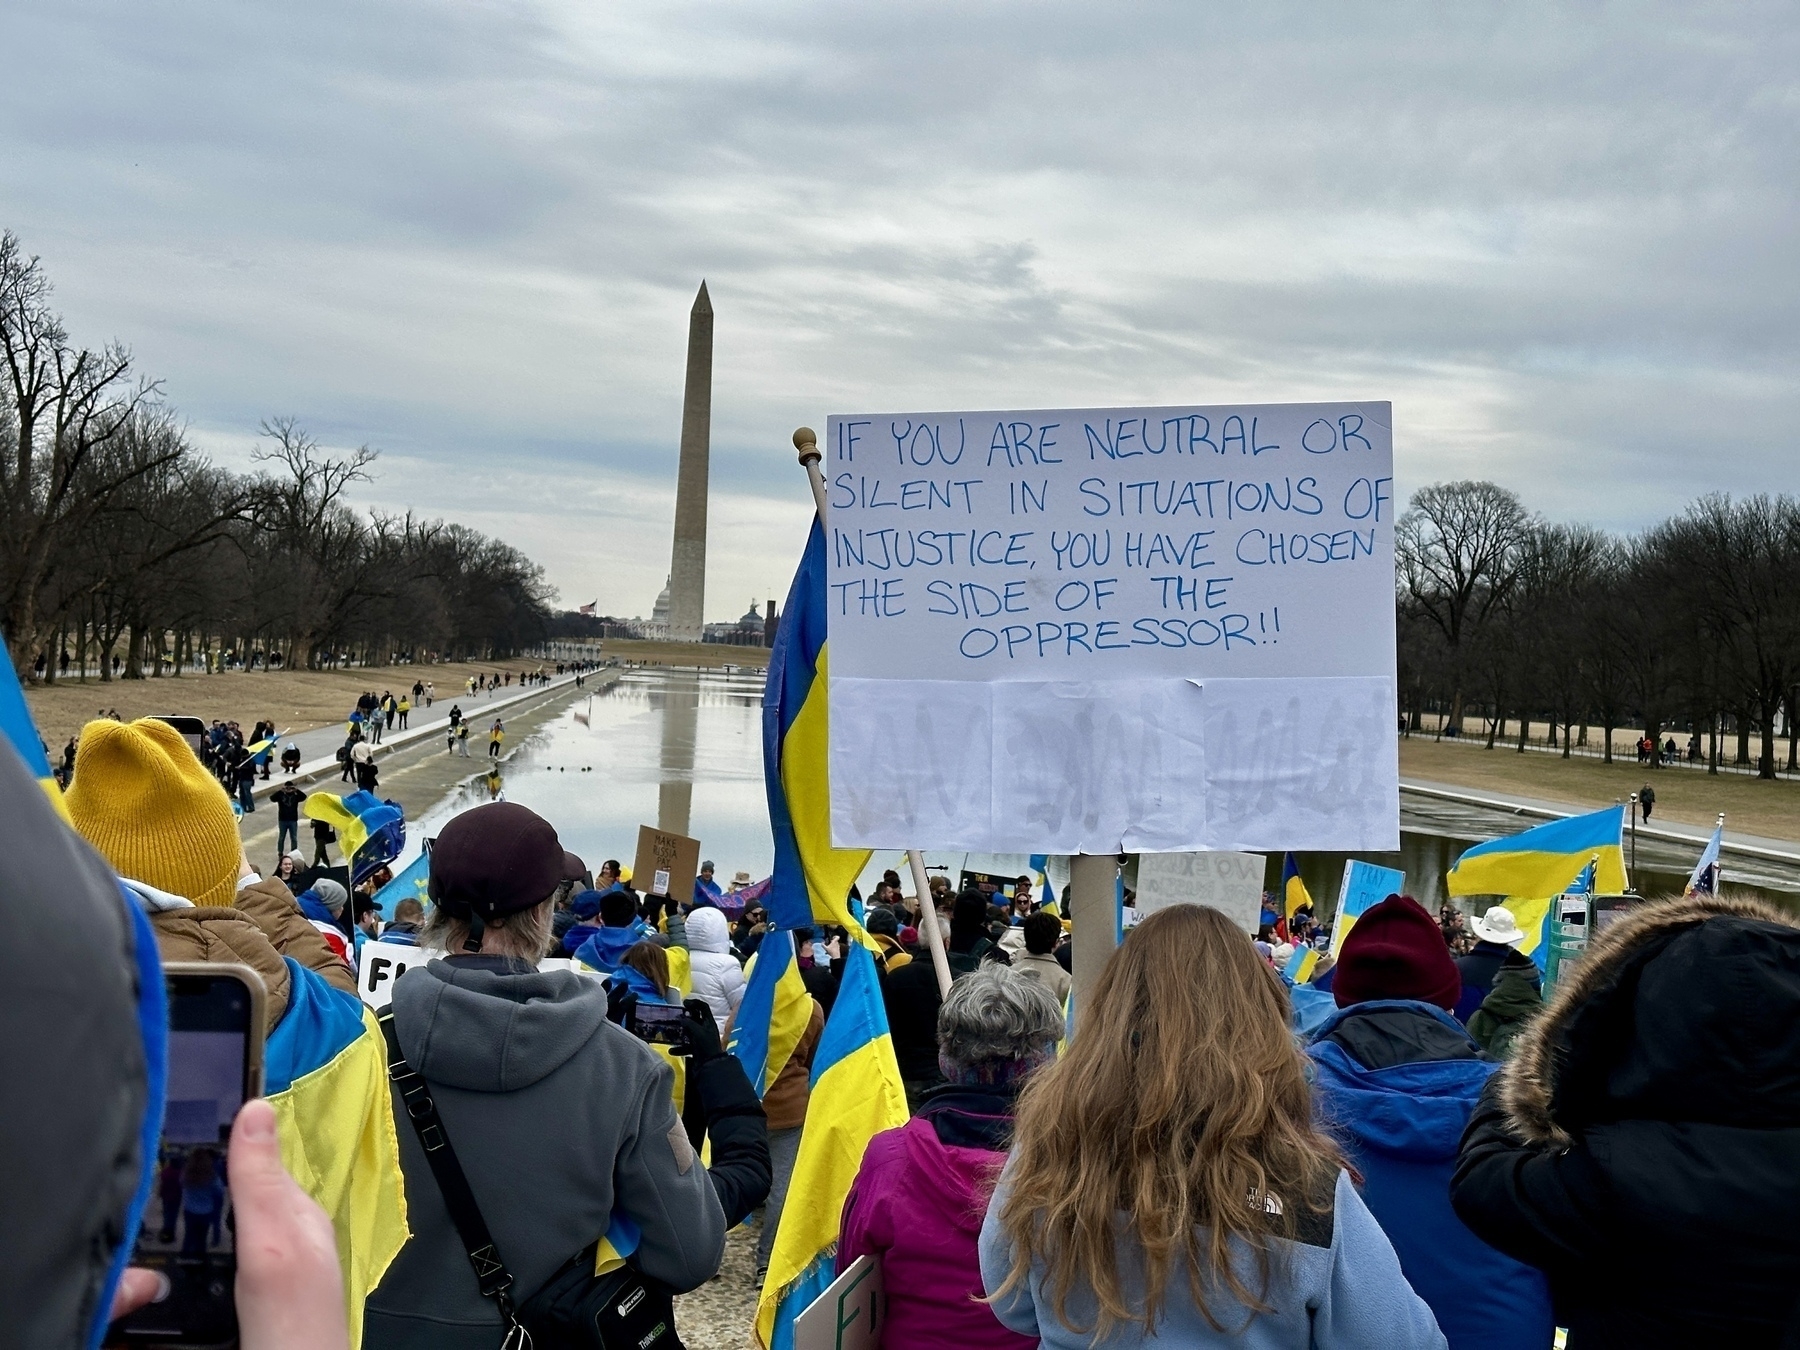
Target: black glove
column 620, row 1003
column 703, row 1041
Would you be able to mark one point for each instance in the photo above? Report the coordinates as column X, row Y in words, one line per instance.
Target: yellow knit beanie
column 144, row 800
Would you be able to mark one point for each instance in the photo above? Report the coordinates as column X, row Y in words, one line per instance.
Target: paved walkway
column 318, row 747
column 1781, row 850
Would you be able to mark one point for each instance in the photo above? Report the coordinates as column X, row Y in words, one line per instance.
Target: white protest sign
column 381, row 963
column 384, row 962
column 1093, row 630
column 849, row 1314
column 1230, row 882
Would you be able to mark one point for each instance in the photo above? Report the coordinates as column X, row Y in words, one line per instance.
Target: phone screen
column 660, row 1024
column 187, row 1232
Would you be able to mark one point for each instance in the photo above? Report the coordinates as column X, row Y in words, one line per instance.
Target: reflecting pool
column 682, row 749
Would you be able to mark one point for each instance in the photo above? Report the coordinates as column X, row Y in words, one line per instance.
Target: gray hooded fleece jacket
column 560, row 1119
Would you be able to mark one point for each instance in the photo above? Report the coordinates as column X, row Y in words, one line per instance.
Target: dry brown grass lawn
column 297, row 700
column 1685, row 796
column 709, row 654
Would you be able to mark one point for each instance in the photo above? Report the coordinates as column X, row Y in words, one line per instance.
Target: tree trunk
column 1765, row 760
column 1606, row 743
column 1743, row 738
column 1712, row 735
column 1565, row 738
column 1524, row 729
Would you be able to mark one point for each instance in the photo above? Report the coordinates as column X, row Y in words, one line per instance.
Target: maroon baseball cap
column 496, row 859
column 1396, row 950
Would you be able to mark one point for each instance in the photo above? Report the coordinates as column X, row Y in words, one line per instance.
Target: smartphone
column 659, row 1024
column 192, row 729
column 216, row 1024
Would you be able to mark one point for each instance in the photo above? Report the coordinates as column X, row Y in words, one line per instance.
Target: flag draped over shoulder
column 856, row 1094
column 18, row 728
column 1545, row 860
column 325, row 1073
column 774, row 1012
column 812, row 879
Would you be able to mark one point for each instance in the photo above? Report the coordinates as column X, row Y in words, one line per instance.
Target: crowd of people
column 1209, row 1157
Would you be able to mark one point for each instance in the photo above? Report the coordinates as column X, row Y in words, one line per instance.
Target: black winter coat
column 1642, row 1148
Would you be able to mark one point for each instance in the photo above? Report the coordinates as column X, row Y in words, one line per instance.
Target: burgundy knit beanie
column 1396, row 950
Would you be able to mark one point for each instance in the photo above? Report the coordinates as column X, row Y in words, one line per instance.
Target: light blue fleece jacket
column 1349, row 1295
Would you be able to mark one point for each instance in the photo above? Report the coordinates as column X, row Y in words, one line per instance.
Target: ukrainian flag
column 1545, row 860
column 1293, row 890
column 856, row 1094
column 370, row 831
column 325, row 1073
column 812, row 880
column 1040, row 863
column 412, row 883
column 1302, row 964
column 775, row 1010
column 17, row 726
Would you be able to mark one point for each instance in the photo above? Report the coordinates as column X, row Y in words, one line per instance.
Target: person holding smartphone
column 532, row 1082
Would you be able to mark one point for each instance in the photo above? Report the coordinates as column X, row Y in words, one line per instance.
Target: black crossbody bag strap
column 490, row 1270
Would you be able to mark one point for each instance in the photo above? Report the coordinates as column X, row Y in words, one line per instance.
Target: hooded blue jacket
column 1399, row 1105
column 606, row 947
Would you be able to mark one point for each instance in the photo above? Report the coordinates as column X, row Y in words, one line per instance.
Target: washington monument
column 687, row 570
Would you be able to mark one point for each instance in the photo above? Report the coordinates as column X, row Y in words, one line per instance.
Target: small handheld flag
column 1705, row 878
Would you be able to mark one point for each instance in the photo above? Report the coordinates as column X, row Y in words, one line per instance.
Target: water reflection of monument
column 680, row 699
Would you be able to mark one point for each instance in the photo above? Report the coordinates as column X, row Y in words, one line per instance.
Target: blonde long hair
column 1180, row 1103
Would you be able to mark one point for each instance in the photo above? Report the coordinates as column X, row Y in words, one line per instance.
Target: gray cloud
column 1558, row 237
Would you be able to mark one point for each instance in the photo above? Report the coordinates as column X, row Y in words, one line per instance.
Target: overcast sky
column 1561, row 239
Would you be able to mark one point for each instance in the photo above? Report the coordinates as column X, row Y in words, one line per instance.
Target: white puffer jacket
column 717, row 976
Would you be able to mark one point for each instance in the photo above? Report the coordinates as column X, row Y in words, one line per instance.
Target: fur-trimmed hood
column 1683, row 1009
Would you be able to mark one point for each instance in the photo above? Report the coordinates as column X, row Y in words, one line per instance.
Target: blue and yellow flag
column 412, row 882
column 1040, row 863
column 812, row 880
column 856, row 1094
column 774, row 1012
column 22, row 732
column 370, row 831
column 1302, row 964
column 1545, row 860
column 1293, row 890
column 325, row 1073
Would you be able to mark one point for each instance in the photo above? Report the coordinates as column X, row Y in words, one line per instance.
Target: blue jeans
column 247, row 794
column 287, row 836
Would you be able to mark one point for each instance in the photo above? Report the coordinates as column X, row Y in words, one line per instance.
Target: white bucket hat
column 1498, row 925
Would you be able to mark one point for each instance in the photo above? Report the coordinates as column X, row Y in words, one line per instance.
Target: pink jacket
column 917, row 1204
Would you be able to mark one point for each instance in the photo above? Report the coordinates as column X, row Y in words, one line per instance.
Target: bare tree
column 1458, row 551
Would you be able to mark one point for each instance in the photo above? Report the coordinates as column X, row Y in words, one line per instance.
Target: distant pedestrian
column 462, row 739
column 495, row 736
column 430, row 692
column 246, row 780
column 1647, row 800
column 403, row 708
column 323, row 836
column 287, row 799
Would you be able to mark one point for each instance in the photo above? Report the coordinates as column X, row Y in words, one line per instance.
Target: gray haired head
column 996, row 1016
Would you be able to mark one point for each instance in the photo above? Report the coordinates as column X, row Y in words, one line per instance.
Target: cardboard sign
column 849, row 1314
column 666, row 863
column 1231, row 882
column 1113, row 629
column 384, row 962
